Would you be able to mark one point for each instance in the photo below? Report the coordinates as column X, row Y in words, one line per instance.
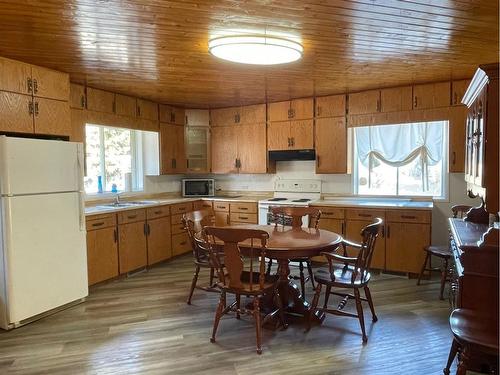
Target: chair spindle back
column 369, row 235
column 281, row 213
column 193, row 223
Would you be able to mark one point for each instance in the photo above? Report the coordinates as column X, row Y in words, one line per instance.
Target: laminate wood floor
column 142, row 325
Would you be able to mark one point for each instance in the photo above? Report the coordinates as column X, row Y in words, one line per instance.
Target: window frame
column 444, row 197
column 137, row 167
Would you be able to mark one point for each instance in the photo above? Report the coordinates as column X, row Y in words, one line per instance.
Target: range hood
column 309, row 154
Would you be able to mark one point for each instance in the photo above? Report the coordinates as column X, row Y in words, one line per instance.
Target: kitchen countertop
column 94, row 208
column 380, row 203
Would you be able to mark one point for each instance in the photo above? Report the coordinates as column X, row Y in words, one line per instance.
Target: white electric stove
column 298, row 193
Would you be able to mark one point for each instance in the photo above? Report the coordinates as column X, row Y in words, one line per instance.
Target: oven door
column 198, row 188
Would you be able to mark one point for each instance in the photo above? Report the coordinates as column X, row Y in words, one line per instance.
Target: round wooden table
column 287, row 243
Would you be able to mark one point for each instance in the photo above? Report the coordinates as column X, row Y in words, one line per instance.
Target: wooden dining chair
column 441, row 252
column 475, row 337
column 243, row 274
column 351, row 273
column 292, row 216
column 193, row 223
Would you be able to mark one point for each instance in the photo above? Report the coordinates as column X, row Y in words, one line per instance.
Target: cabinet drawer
column 131, row 216
column 180, row 244
column 240, row 217
column 181, row 208
column 159, row 211
column 409, row 216
column 221, row 206
column 178, row 228
column 101, row 221
column 355, row 214
column 331, row 212
column 250, row 208
column 176, row 219
column 207, row 204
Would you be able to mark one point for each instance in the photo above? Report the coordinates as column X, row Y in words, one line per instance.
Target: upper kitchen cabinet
column 253, row 114
column 458, row 89
column 15, row 76
column 431, row 95
column 125, row 105
column 331, row 145
column 290, row 135
column 172, row 115
column 364, row 102
column 396, row 99
column 49, row 83
column 224, row 149
column 52, row 117
column 197, row 149
column 77, row 99
column 330, row 106
column 197, row 117
column 225, row 116
column 16, row 112
column 100, row 100
column 297, row 109
column 172, row 149
column 147, row 110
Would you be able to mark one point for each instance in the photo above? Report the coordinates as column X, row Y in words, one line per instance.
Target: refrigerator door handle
column 81, row 188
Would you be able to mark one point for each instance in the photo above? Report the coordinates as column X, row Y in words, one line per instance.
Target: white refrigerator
column 43, row 257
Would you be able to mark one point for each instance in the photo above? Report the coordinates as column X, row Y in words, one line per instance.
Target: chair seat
column 439, row 251
column 341, row 276
column 269, row 282
column 469, row 327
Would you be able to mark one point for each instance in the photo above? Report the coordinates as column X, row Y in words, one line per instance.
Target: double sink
column 128, row 204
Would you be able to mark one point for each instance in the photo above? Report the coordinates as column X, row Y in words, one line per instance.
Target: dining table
column 286, row 243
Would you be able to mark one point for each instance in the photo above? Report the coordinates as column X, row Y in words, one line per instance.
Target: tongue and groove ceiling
column 158, row 49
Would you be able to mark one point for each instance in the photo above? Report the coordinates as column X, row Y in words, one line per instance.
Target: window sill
column 110, row 195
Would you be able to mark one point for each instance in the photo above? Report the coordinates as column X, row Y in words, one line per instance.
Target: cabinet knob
column 29, row 84
column 35, row 86
column 82, row 101
column 36, row 109
column 415, row 102
column 30, row 108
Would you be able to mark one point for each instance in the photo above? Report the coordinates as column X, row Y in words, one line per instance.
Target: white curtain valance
column 398, row 145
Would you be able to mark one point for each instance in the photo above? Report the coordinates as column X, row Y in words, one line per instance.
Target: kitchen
column 161, row 125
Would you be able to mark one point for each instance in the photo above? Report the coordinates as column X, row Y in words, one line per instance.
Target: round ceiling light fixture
column 255, row 49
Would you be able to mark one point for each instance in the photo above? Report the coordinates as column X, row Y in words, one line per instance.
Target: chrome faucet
column 117, row 199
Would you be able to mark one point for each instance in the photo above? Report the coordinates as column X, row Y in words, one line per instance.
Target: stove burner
column 277, row 199
column 301, row 200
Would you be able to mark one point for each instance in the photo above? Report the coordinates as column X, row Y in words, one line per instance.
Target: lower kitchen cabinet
column 102, row 248
column 159, row 240
column 180, row 244
column 180, row 240
column 404, row 246
column 132, row 239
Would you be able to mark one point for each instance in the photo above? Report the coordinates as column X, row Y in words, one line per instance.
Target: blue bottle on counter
column 114, row 188
column 99, row 184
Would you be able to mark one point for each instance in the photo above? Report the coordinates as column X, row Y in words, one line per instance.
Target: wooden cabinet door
column 353, row 230
column 302, row 134
column 278, row 111
column 221, row 218
column 197, row 142
column 147, row 110
column 278, row 136
column 78, row 121
column 180, row 150
column 102, row 254
column 159, row 240
column 331, row 145
column 224, row 149
column 330, row 106
column 396, row 99
column 225, row 116
column 253, row 114
column 302, row 109
column 15, row 76
column 125, row 105
column 167, row 147
column 405, row 244
column 49, row 83
column 252, row 150
column 458, row 89
column 100, row 100
column 52, row 117
column 133, row 250
column 171, row 115
column 197, row 117
column 364, row 102
column 457, row 146
column 431, row 95
column 16, row 112
column 77, row 96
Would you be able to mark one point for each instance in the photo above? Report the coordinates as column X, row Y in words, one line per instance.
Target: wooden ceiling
column 158, row 49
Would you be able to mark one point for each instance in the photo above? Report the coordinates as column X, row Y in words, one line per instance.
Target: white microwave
column 198, row 187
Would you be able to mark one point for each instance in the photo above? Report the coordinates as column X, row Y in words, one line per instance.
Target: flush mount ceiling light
column 255, row 49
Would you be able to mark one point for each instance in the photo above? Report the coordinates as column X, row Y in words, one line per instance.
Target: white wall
column 331, row 184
